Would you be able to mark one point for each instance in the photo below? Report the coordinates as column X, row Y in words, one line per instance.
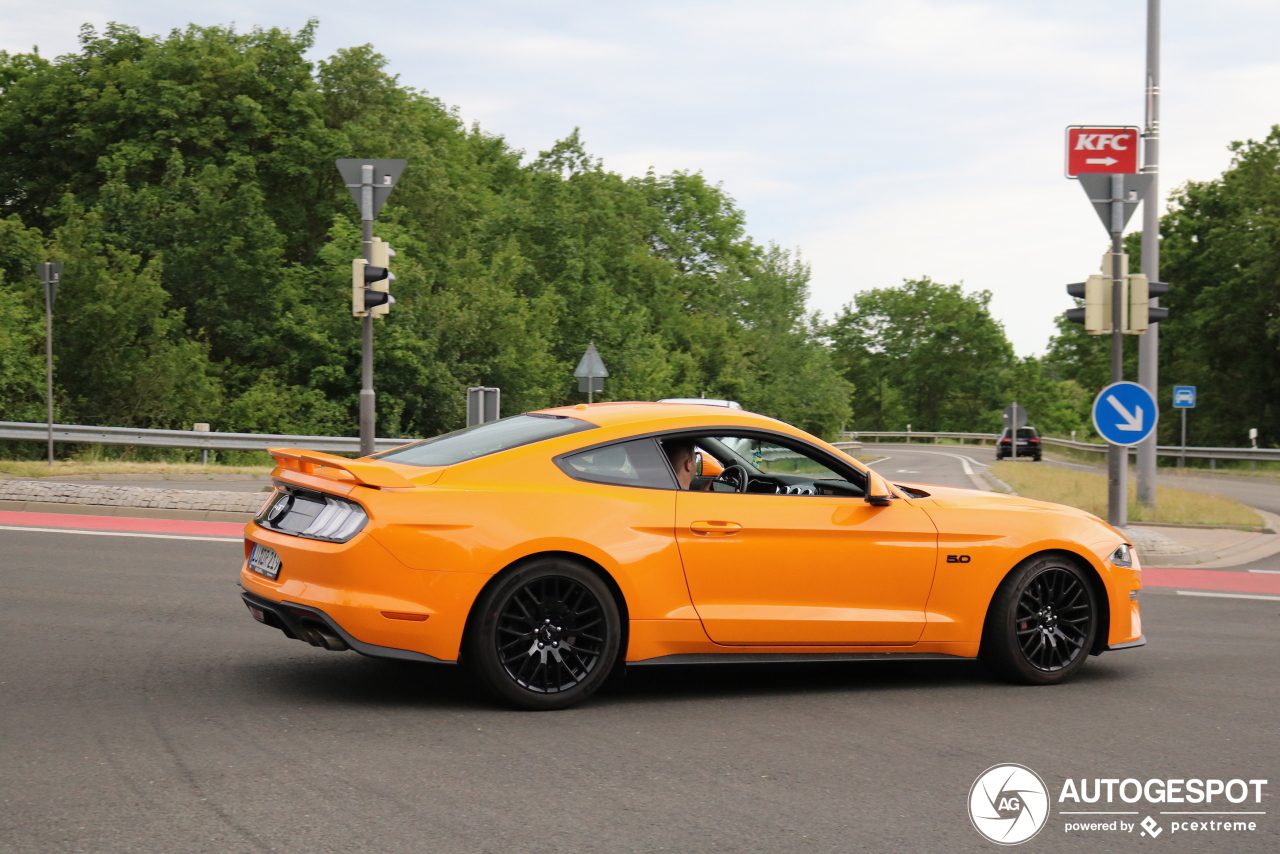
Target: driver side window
column 751, row 463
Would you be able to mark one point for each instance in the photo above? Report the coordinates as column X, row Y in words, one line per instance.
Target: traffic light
column 1142, row 315
column 379, row 298
column 370, row 282
column 1096, row 314
column 1136, row 315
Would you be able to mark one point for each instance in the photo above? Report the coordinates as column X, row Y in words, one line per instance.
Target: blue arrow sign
column 1124, row 413
column 1184, row 397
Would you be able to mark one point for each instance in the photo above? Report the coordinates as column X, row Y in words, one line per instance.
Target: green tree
column 187, row 180
column 1220, row 252
column 923, row 353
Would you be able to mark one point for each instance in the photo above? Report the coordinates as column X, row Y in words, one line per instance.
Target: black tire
column 545, row 637
column 1041, row 623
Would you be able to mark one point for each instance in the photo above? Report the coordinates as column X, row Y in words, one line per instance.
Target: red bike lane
column 16, row 520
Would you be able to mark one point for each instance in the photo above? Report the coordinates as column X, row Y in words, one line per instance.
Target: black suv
column 1026, row 445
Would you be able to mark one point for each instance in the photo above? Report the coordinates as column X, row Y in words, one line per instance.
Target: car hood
column 953, row 496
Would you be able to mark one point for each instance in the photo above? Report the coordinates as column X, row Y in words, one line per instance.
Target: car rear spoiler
column 364, row 473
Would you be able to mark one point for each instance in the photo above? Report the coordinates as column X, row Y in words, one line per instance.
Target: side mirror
column 697, row 463
column 878, row 492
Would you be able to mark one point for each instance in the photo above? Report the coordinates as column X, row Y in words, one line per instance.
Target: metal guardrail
column 1255, row 454
column 856, row 435
column 198, row 441
column 188, row 439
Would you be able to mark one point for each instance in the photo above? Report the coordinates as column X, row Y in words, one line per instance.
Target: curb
column 190, row 504
column 1259, row 547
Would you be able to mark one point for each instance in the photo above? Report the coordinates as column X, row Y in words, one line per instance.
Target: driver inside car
column 683, row 456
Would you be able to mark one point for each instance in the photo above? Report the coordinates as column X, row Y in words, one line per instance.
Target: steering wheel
column 736, row 476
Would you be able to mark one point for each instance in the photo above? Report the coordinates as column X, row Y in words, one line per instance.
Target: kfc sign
column 1102, row 149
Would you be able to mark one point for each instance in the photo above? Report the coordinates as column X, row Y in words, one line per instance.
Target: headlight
column 314, row 515
column 1122, row 556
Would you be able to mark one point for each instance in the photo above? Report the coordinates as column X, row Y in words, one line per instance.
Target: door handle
column 715, row 528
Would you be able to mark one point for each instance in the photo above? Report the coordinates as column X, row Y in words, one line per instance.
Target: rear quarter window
column 636, row 463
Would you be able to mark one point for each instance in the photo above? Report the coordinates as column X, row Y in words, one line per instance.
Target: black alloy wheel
column 547, row 637
column 1042, row 622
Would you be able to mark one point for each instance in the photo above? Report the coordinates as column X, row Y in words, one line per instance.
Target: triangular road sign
column 385, row 175
column 591, row 365
column 1097, row 186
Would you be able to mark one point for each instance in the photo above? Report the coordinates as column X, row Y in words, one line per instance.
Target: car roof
column 668, row 415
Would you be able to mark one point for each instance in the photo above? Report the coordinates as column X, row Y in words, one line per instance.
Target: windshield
column 768, row 458
column 484, row 439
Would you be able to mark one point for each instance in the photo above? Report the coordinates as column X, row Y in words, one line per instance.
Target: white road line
column 1267, row 571
column 121, row 534
column 1227, row 595
column 967, row 463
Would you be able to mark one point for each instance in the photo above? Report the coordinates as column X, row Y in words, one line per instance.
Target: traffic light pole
column 368, row 410
column 1117, row 455
column 1149, row 344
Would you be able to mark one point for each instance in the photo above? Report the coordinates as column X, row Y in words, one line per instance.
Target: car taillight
column 1034, row 440
column 1004, row 441
column 313, row 515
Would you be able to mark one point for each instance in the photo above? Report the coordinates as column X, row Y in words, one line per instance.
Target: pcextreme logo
column 1008, row 804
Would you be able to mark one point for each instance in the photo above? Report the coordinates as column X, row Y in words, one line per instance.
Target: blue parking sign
column 1124, row 413
column 1184, row 397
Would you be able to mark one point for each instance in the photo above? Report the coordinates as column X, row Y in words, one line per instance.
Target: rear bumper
column 308, row 623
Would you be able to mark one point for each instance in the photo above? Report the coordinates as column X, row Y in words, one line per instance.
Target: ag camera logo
column 1008, row 804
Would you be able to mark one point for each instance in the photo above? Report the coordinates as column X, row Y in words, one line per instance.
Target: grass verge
column 62, row 468
column 1088, row 491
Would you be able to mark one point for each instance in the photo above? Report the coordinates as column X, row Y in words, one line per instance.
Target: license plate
column 264, row 561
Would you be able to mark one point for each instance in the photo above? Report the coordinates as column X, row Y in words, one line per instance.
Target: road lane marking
column 1227, row 595
column 1266, row 571
column 120, row 534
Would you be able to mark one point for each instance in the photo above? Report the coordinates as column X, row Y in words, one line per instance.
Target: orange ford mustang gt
column 547, row 549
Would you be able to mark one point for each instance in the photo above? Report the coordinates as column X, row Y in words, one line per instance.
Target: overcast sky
column 882, row 140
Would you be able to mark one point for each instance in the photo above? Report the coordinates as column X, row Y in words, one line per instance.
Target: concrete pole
column 368, row 412
column 48, row 363
column 1149, row 343
column 1117, row 455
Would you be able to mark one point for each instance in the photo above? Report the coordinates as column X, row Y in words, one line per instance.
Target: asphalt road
column 943, row 465
column 143, row 710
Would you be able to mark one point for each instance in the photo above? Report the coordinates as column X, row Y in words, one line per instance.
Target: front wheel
column 1042, row 622
column 546, row 636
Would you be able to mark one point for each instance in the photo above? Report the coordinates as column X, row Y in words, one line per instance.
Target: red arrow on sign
column 1102, row 149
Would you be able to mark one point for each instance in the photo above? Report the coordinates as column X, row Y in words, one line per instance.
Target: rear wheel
column 546, row 636
column 1042, row 622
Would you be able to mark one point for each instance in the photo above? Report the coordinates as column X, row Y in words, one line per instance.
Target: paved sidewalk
column 1205, row 548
